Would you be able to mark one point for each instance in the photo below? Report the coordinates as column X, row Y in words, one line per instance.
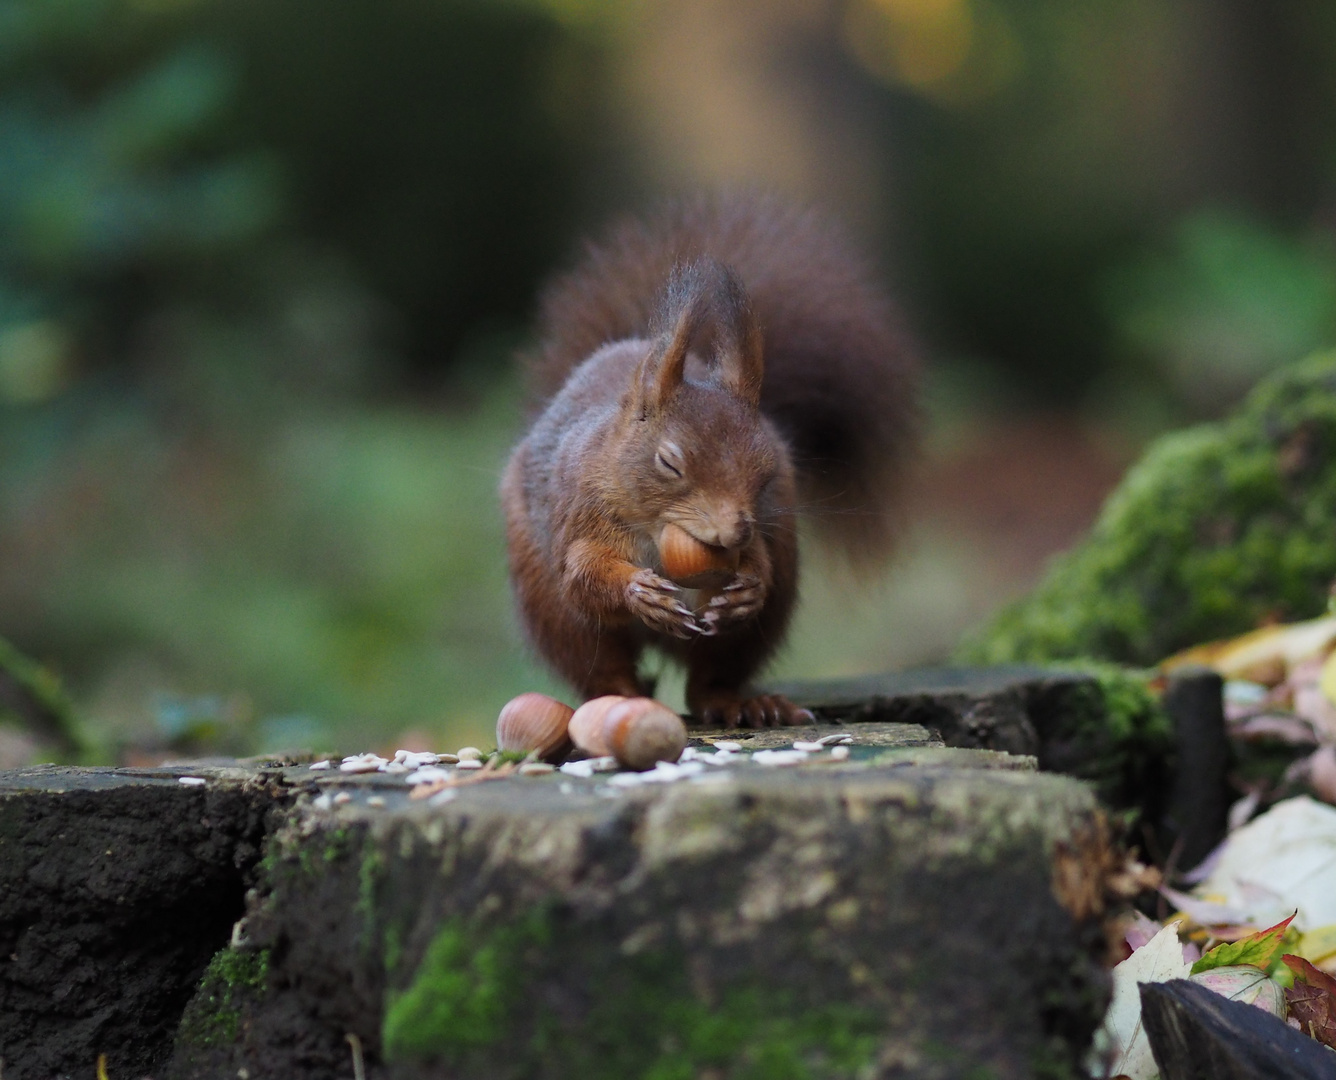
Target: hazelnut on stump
column 638, row 732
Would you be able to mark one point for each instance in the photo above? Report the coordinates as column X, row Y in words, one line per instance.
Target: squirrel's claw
column 740, row 599
column 657, row 603
column 761, row 711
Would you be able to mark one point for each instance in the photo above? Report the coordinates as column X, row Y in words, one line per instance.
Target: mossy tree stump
column 858, row 920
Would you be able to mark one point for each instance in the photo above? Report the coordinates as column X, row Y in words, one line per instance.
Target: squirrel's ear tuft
column 697, row 293
column 683, row 311
column 738, row 360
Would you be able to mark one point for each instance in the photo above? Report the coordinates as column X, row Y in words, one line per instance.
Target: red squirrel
column 721, row 367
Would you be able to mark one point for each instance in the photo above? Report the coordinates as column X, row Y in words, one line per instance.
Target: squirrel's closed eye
column 669, row 461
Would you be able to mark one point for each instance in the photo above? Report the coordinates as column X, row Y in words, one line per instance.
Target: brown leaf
column 1312, row 1000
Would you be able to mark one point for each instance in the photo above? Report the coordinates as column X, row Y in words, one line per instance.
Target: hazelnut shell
column 640, row 732
column 535, row 722
column 586, row 725
column 692, row 564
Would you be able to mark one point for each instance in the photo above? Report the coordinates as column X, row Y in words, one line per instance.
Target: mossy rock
column 1217, row 529
column 1096, row 721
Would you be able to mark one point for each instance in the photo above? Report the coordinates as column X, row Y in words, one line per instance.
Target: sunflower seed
column 426, row 775
column 779, row 757
column 723, row 757
column 363, row 763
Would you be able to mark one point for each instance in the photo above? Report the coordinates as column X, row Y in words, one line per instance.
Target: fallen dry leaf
column 1263, row 656
column 1282, row 860
column 1260, row 950
column 1159, row 960
column 1247, row 984
column 1317, row 945
column 1312, row 1000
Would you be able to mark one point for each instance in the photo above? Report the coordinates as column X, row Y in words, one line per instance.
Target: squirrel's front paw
column 742, row 598
column 657, row 602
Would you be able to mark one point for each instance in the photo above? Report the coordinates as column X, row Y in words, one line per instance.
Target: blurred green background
column 263, row 267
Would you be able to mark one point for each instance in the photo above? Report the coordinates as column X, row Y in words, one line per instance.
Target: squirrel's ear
column 685, row 308
column 738, row 360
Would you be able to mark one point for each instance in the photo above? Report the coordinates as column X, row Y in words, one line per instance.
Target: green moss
column 1215, row 530
column 656, row 1028
column 337, row 845
column 1130, row 708
column 368, row 873
column 213, row 1017
column 505, row 757
column 393, row 950
column 462, row 994
column 476, row 1003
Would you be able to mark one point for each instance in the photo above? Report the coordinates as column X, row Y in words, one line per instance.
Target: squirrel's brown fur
column 742, row 345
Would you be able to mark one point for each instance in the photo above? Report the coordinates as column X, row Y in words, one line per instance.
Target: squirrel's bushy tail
column 839, row 372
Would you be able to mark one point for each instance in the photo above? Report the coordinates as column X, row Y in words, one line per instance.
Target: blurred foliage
column 1229, row 301
column 33, row 706
column 338, row 575
column 1046, row 148
column 149, row 149
column 262, row 265
column 221, row 227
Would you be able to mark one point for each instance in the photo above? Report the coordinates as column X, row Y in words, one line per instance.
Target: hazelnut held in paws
column 704, row 376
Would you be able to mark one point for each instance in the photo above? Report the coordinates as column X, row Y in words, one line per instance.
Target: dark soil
column 115, row 890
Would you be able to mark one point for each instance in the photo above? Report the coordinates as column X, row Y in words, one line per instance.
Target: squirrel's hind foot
column 764, row 710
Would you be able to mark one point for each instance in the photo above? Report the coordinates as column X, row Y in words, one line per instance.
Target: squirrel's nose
column 733, row 531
